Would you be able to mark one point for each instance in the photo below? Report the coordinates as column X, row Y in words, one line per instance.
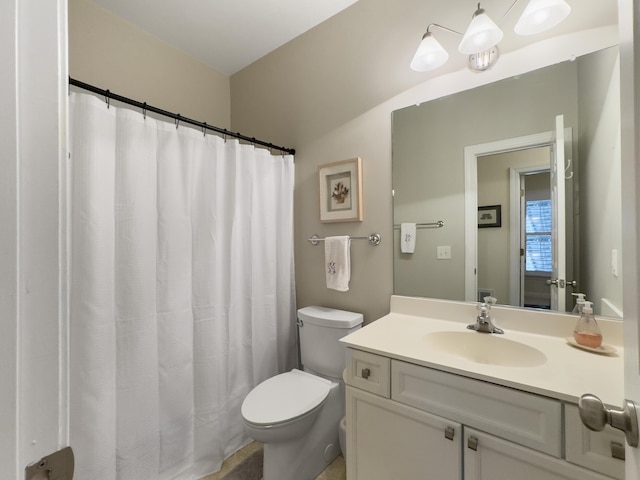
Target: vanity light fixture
column 480, row 40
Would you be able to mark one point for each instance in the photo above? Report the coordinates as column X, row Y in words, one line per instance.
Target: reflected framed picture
column 490, row 216
column 341, row 191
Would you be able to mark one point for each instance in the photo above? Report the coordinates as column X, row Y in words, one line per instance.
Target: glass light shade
column 482, row 34
column 430, row 54
column 541, row 15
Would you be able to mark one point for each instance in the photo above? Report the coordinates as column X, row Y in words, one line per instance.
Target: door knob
column 595, row 416
column 552, row 282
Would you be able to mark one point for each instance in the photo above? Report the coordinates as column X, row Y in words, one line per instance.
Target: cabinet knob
column 449, row 432
column 472, row 443
column 595, row 416
column 366, row 373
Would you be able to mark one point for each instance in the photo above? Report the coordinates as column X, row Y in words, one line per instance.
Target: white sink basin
column 486, row 348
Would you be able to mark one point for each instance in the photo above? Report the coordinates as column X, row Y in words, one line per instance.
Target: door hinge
column 57, row 466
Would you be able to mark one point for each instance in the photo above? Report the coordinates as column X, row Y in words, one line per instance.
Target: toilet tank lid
column 329, row 317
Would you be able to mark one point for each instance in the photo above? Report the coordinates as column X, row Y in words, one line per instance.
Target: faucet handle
column 483, row 308
column 489, row 300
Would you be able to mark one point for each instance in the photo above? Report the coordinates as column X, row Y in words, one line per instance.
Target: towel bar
column 438, row 224
column 374, row 239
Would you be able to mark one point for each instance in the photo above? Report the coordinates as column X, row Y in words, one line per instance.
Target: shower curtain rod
column 176, row 116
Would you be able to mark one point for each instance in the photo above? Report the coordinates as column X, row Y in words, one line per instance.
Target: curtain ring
column 204, row 129
column 177, row 121
column 107, row 99
column 144, row 110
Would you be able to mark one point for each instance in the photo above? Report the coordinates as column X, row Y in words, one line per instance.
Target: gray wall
column 111, row 53
column 600, row 197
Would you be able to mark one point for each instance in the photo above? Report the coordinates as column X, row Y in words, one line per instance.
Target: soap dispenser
column 587, row 333
column 579, row 303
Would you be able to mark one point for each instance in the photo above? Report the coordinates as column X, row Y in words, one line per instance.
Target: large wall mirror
column 525, row 174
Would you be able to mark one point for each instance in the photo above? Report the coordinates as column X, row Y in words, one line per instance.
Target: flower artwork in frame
column 341, row 191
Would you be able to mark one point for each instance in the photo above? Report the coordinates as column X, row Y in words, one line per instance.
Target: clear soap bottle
column 587, row 333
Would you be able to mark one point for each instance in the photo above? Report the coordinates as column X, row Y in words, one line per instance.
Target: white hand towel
column 407, row 237
column 337, row 262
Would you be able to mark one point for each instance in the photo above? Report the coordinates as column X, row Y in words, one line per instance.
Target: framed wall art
column 341, row 191
column 490, row 216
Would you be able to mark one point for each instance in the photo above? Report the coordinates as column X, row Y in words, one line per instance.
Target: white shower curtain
column 181, row 291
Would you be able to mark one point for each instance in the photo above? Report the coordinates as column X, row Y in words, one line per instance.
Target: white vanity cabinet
column 406, row 421
column 487, row 457
column 393, row 441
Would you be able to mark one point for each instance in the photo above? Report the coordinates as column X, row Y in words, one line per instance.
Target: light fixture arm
column 507, row 12
column 446, row 29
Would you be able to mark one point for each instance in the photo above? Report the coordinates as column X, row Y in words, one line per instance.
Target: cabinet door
column 489, row 458
column 386, row 440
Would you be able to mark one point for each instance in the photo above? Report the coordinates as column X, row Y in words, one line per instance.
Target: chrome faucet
column 483, row 320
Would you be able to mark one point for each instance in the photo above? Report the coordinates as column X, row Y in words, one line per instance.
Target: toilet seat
column 284, row 397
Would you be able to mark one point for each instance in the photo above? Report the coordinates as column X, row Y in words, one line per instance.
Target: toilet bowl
column 284, row 407
column 299, row 431
column 296, row 414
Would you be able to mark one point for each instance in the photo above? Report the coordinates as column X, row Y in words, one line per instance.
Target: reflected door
column 557, row 282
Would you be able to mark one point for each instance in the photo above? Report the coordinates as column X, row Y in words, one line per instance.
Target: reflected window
column 538, row 232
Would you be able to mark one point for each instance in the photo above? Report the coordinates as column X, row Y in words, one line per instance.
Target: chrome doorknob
column 553, row 282
column 595, row 416
column 572, row 283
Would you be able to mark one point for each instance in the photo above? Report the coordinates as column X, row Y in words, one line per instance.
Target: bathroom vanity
column 428, row 398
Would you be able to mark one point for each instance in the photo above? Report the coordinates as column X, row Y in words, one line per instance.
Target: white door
column 33, row 94
column 629, row 15
column 558, row 232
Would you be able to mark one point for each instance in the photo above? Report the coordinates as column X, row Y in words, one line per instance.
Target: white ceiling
column 227, row 35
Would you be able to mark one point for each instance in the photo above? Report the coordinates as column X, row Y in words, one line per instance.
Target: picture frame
column 341, row 191
column 490, row 216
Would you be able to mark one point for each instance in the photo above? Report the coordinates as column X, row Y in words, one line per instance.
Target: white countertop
column 567, row 373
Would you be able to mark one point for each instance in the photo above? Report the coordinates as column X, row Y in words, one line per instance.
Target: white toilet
column 296, row 414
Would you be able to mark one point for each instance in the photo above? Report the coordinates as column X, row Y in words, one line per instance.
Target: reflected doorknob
column 595, row 416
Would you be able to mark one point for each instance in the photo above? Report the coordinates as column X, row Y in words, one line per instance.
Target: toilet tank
column 320, row 330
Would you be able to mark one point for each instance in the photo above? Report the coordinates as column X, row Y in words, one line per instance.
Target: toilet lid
column 284, row 397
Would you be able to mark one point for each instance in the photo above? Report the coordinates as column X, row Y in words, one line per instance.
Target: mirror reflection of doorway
column 515, row 261
column 495, row 175
column 493, row 256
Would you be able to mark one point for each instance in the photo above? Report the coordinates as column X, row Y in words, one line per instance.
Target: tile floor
column 231, row 466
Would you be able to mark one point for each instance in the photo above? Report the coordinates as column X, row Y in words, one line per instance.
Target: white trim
column 9, row 242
